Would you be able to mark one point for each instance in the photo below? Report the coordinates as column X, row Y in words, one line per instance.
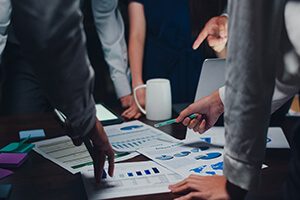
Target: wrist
column 137, row 83
column 217, row 102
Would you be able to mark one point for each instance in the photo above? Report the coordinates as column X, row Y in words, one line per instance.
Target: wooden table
column 39, row 178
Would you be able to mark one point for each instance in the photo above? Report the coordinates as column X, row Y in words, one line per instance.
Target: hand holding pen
column 201, row 115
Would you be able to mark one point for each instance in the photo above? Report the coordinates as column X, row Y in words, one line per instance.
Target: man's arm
column 5, row 11
column 254, row 32
column 110, row 29
column 52, row 39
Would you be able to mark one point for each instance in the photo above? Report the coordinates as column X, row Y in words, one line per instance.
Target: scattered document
column 63, row 152
column 130, row 136
column 130, row 179
column 196, row 158
column 216, row 136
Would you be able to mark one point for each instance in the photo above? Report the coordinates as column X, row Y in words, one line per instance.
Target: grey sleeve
column 254, row 35
column 52, row 39
column 110, row 29
column 5, row 12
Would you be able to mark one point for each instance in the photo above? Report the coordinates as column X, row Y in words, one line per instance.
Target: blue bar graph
column 156, row 171
column 139, row 173
column 130, row 174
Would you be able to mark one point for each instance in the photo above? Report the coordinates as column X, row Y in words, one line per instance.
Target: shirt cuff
column 122, row 86
column 83, row 124
column 240, row 173
column 222, row 94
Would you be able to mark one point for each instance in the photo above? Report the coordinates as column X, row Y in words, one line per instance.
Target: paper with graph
column 130, row 136
column 195, row 158
column 130, row 179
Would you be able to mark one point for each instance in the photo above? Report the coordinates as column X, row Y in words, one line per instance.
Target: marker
column 172, row 121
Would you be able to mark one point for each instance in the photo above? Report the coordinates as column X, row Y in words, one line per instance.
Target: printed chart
column 130, row 136
column 130, row 179
column 62, row 152
column 197, row 158
column 215, row 135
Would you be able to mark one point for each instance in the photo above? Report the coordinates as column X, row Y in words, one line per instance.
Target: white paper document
column 130, row 136
column 197, row 158
column 130, row 179
column 216, row 136
column 72, row 158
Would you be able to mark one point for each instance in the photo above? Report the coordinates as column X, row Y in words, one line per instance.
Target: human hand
column 101, row 150
column 132, row 112
column 215, row 32
column 126, row 101
column 201, row 187
column 208, row 108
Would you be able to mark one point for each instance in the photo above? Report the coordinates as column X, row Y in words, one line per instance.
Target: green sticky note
column 15, row 147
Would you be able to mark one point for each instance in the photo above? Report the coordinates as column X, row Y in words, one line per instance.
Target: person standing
column 263, row 72
column 52, row 40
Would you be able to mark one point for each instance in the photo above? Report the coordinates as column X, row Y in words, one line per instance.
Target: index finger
column 201, row 37
column 185, row 113
column 111, row 162
column 98, row 162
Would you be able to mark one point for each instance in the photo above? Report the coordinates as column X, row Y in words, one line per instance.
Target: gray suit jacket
column 259, row 50
column 51, row 36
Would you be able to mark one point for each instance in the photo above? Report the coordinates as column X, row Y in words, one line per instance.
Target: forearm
column 5, row 12
column 136, row 49
column 53, row 41
column 137, row 34
column 110, row 29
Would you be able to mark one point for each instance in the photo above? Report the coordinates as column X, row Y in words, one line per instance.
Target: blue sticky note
column 5, row 190
column 38, row 133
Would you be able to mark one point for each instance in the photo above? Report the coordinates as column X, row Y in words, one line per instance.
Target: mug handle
column 136, row 100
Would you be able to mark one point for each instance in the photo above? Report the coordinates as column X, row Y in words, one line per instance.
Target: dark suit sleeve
column 52, row 39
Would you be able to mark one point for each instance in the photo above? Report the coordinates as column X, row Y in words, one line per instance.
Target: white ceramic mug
column 158, row 99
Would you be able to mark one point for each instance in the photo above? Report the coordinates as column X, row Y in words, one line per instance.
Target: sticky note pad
column 4, row 173
column 5, row 190
column 24, row 148
column 12, row 159
column 37, row 133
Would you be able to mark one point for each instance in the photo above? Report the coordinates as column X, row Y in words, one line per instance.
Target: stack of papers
column 173, row 159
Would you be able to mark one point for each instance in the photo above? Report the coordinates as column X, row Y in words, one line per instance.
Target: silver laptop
column 211, row 78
